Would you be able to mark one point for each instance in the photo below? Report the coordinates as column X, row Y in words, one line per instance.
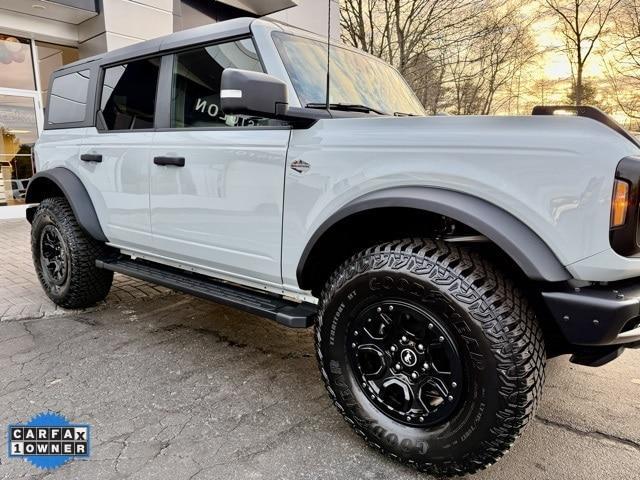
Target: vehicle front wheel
column 64, row 257
column 430, row 354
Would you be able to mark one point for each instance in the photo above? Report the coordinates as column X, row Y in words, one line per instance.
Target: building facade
column 39, row 36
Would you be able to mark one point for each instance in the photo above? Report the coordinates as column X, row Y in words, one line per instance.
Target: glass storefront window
column 16, row 63
column 50, row 58
column 18, row 133
column 20, row 109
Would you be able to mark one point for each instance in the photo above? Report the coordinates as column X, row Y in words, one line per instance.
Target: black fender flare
column 74, row 191
column 514, row 237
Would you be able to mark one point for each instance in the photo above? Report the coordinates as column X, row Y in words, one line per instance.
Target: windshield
column 356, row 79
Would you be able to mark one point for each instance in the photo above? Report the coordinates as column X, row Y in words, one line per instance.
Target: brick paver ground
column 21, row 296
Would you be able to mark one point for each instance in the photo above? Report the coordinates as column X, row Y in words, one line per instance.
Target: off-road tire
column 84, row 285
column 496, row 331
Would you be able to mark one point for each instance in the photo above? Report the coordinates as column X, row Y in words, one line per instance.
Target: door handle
column 174, row 161
column 91, row 157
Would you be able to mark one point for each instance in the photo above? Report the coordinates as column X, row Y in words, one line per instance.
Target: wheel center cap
column 409, row 357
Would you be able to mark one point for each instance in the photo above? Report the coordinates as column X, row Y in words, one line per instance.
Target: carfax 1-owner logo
column 48, row 441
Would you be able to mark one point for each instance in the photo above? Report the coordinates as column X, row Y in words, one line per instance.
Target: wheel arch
column 62, row 182
column 518, row 241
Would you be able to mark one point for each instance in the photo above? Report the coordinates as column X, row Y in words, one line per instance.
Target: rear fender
column 61, row 181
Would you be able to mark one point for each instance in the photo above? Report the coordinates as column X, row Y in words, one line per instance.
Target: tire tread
column 89, row 284
column 501, row 309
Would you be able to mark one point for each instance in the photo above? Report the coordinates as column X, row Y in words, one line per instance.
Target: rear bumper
column 598, row 316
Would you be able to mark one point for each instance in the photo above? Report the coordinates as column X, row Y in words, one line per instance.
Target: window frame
column 51, row 95
column 165, row 90
column 100, row 127
column 91, row 97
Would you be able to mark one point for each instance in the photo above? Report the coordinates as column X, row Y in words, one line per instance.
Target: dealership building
column 39, row 36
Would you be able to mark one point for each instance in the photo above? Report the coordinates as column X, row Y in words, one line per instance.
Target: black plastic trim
column 521, row 243
column 91, row 157
column 598, row 315
column 596, row 356
column 588, row 112
column 75, row 193
column 624, row 239
column 290, row 314
column 162, row 119
column 169, row 161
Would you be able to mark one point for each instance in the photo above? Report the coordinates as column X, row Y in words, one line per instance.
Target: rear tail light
column 619, row 203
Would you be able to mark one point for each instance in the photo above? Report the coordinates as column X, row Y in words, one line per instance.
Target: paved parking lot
column 20, row 292
column 176, row 387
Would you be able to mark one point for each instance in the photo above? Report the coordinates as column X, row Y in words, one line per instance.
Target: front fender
column 62, row 180
column 514, row 237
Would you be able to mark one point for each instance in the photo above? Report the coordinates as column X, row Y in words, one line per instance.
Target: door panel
column 114, row 163
column 119, row 184
column 223, row 209
column 217, row 181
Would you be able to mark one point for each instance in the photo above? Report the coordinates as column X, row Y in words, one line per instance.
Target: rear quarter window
column 68, row 98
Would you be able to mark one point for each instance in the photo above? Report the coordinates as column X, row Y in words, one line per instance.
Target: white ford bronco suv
column 441, row 259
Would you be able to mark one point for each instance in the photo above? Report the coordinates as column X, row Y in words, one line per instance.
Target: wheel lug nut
column 450, row 398
column 420, row 347
column 373, row 397
column 379, row 309
column 421, row 419
column 441, row 339
column 393, row 348
column 391, row 308
column 408, row 418
column 398, row 366
column 431, row 326
column 404, row 339
column 454, row 384
column 355, row 333
column 353, row 345
column 364, row 384
column 425, row 365
column 414, row 375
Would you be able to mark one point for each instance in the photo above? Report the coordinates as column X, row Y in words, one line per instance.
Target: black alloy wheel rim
column 406, row 362
column 54, row 257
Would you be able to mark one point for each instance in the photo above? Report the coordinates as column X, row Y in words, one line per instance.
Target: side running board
column 290, row 314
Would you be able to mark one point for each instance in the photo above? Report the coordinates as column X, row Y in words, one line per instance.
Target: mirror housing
column 243, row 92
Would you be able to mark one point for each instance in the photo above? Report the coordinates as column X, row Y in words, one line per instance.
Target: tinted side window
column 196, row 85
column 68, row 99
column 129, row 95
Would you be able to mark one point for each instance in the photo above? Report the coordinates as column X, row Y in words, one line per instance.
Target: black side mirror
column 243, row 92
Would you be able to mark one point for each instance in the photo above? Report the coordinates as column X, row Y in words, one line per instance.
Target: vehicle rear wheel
column 430, row 354
column 64, row 257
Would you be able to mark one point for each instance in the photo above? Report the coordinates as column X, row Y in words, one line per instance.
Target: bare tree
column 508, row 46
column 458, row 55
column 485, row 72
column 623, row 66
column 582, row 23
column 404, row 31
column 364, row 26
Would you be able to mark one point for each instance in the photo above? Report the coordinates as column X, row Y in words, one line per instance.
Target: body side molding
column 74, row 191
column 521, row 243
